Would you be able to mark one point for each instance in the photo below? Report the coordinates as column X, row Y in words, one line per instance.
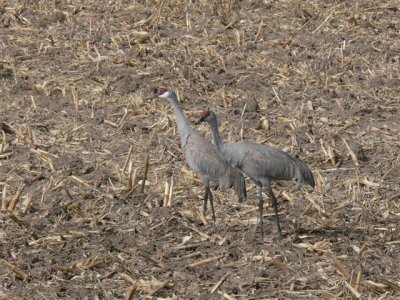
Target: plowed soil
column 97, row 201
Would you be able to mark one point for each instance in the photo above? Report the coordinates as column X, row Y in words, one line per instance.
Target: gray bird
column 203, row 157
column 262, row 164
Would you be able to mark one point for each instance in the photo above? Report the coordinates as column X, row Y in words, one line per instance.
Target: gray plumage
column 238, row 183
column 261, row 163
column 203, row 157
column 235, row 180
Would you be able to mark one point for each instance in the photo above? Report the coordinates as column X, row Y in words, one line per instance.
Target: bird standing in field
column 262, row 164
column 202, row 156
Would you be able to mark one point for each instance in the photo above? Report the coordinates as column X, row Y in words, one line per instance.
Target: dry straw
column 96, row 199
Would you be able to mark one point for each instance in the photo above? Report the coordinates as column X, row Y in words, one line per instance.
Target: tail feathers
column 307, row 174
column 234, row 178
column 239, row 184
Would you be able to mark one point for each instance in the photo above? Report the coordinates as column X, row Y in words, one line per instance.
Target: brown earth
column 319, row 79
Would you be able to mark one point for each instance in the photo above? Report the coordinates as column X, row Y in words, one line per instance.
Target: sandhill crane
column 202, row 156
column 262, row 164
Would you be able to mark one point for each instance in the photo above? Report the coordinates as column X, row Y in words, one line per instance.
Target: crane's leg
column 208, row 194
column 275, row 206
column 260, row 208
column 211, row 202
column 205, row 199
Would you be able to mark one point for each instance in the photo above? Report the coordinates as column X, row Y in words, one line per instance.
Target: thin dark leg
column 205, row 199
column 212, row 203
column 275, row 205
column 260, row 208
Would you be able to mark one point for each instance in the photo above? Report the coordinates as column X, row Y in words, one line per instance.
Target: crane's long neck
column 215, row 133
column 184, row 127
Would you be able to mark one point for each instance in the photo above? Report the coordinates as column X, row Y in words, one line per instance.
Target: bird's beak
column 151, row 94
column 155, row 93
column 200, row 120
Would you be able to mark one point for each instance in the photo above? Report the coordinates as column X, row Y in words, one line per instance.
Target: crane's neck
column 215, row 133
column 184, row 127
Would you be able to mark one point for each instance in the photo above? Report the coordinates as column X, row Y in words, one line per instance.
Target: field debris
column 96, row 201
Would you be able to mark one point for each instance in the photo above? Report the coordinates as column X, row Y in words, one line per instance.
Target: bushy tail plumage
column 239, row 184
column 234, row 178
column 307, row 174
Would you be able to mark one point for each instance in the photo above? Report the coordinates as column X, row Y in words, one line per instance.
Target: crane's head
column 162, row 93
column 206, row 116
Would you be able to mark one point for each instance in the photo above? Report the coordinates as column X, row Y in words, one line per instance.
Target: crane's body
column 203, row 157
column 261, row 163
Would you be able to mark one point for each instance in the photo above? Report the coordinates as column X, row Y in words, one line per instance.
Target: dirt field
column 318, row 79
